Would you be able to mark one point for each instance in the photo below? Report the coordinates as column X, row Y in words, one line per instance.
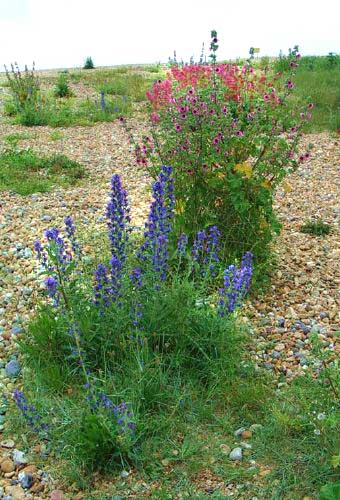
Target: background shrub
column 88, row 63
column 62, row 88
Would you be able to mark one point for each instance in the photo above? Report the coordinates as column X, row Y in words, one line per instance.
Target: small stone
column 245, row 445
column 7, row 465
column 12, row 368
column 37, row 488
column 25, row 479
column 255, row 427
column 56, row 495
column 19, row 457
column 236, row 454
column 16, row 330
column 124, row 474
column 9, row 443
column 246, row 434
column 16, row 492
column 239, row 431
column 281, row 322
column 225, row 449
column 268, row 366
column 279, row 347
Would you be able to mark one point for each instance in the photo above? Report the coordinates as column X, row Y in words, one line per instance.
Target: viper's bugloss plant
column 231, row 138
column 127, row 335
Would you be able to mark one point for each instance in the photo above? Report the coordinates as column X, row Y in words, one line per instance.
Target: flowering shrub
column 231, row 138
column 129, row 333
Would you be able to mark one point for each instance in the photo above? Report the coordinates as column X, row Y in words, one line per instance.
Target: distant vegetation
column 88, row 63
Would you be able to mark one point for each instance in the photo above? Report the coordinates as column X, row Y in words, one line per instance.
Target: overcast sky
column 62, row 33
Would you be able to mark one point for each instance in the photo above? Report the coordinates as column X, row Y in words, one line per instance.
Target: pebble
column 236, row 454
column 57, row 495
column 245, row 445
column 7, row 465
column 25, row 479
column 19, row 457
column 239, row 431
column 255, row 427
column 12, row 368
column 225, row 449
column 9, row 443
column 246, row 434
column 16, row 330
column 280, row 347
column 124, row 474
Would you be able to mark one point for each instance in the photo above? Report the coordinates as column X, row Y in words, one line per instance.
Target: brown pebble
column 7, row 465
column 57, row 495
column 37, row 488
column 30, row 469
column 246, row 434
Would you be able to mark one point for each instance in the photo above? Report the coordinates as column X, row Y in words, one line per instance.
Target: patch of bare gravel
column 304, row 293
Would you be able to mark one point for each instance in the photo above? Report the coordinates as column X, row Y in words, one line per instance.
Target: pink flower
column 239, row 133
column 155, row 117
column 310, row 105
column 178, row 128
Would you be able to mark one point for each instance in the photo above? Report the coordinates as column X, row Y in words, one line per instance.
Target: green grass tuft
column 25, row 172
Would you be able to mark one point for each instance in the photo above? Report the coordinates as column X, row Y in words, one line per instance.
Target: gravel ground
column 303, row 293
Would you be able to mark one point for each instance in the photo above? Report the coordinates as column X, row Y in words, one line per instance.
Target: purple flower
column 117, row 213
column 235, row 285
column 57, row 246
column 136, row 277
column 29, row 412
column 102, row 288
column 205, row 250
column 289, row 84
column 51, row 285
column 70, row 231
column 182, row 244
column 159, row 223
column 122, row 412
column 116, row 277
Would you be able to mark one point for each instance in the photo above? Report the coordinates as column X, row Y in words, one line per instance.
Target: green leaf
column 330, row 491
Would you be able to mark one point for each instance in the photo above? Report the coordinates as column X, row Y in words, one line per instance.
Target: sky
column 62, row 33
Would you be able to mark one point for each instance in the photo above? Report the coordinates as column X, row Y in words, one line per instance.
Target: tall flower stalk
column 155, row 248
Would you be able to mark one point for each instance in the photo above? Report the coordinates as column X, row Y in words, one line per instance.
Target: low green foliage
column 62, row 88
column 299, row 438
column 133, row 85
column 68, row 113
column 56, row 136
column 26, row 172
column 317, row 227
column 13, row 139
